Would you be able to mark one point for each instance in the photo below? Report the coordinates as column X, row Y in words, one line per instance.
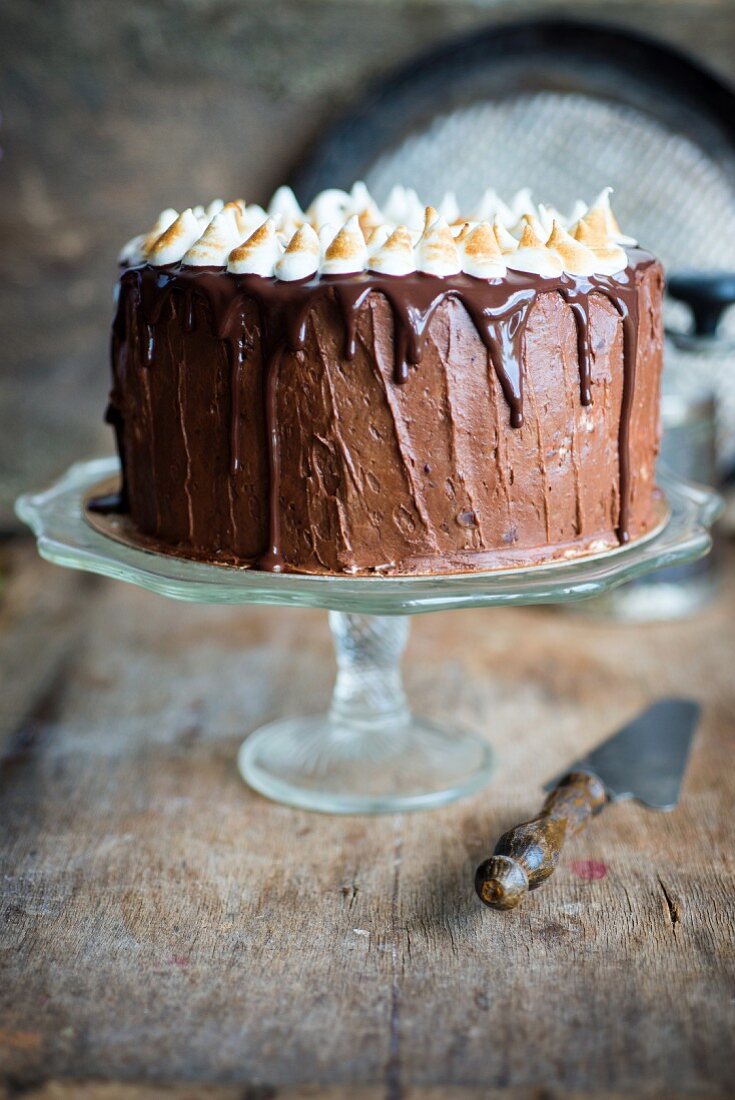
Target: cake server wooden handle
column 528, row 854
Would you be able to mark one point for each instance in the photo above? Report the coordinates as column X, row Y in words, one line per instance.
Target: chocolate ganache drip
column 498, row 308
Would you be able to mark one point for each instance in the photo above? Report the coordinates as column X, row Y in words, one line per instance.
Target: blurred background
column 112, row 111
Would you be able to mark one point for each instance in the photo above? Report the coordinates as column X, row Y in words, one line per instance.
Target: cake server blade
column 647, row 758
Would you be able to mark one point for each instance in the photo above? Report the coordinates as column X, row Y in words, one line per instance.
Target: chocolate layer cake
column 413, row 392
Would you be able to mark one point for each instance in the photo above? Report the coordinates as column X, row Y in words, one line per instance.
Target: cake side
column 423, row 475
column 429, row 475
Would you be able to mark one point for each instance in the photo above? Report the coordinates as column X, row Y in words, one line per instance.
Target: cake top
column 345, row 232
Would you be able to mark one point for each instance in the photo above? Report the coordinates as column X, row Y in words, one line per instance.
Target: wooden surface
column 169, row 933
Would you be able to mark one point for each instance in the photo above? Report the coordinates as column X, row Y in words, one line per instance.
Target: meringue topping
column 225, row 230
column 377, row 238
column 506, row 241
column 170, row 247
column 532, row 255
column 481, row 255
column 449, row 208
column 135, row 251
column 347, row 253
column 284, row 206
column 404, row 207
column 259, row 254
column 575, row 257
column 602, row 206
column 436, row 252
column 301, row 258
column 491, row 206
column 402, row 236
column 395, row 256
column 590, row 232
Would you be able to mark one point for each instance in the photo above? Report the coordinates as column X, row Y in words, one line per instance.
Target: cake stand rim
column 56, row 516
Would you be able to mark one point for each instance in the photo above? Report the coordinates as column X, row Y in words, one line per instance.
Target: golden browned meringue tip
column 239, row 211
column 174, row 241
column 436, row 252
column 347, row 252
column 531, row 236
column 202, row 235
column 481, row 255
column 591, row 229
column 590, row 232
column 301, row 257
column 532, row 255
column 257, row 255
column 395, row 256
column 378, row 236
column 602, row 206
column 430, row 216
column 576, row 258
column 506, row 241
column 217, row 241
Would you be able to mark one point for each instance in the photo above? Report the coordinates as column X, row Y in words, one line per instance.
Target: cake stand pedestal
column 369, row 754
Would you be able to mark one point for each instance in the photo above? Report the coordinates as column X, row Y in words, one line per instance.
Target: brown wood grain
column 161, row 925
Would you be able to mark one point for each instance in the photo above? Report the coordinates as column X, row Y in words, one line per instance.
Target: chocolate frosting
column 285, row 424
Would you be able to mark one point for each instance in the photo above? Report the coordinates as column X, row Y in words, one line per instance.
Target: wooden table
column 166, row 932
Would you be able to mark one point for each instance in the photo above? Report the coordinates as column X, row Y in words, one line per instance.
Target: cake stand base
column 316, row 764
column 368, row 754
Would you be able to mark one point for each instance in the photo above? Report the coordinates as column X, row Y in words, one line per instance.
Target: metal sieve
column 564, row 108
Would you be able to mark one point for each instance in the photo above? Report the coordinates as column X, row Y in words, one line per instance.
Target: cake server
column 645, row 760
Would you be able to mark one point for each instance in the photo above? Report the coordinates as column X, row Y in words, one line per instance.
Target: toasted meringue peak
column 612, row 229
column 301, row 258
column 436, row 252
column 430, row 216
column 506, row 241
column 326, row 234
column 259, row 254
column 532, row 255
column 404, row 207
column 547, row 215
column 579, row 209
column 438, row 240
column 491, row 206
column 166, row 218
column 363, row 204
column 175, row 241
column 222, row 234
column 284, row 206
column 481, row 255
column 347, row 253
column 396, row 255
column 575, row 257
column 242, row 216
column 136, row 250
column 133, row 251
column 330, row 207
column 522, row 204
column 590, row 232
column 377, row 238
column 531, row 233
column 251, row 218
column 449, row 208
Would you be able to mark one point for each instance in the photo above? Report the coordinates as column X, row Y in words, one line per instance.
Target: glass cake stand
column 369, row 753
